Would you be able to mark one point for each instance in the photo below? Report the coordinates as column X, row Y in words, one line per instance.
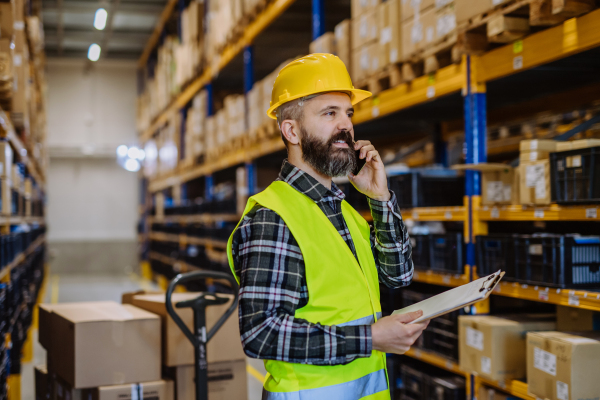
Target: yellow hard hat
column 313, row 74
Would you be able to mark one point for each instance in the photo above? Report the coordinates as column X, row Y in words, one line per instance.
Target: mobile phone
column 359, row 163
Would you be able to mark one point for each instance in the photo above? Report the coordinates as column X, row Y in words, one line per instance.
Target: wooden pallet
column 266, row 131
column 387, row 77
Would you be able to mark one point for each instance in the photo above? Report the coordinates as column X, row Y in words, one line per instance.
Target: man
column 308, row 264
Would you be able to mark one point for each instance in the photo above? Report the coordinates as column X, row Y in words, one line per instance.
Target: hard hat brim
column 356, row 96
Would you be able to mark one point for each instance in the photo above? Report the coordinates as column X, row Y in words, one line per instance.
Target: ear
column 289, row 129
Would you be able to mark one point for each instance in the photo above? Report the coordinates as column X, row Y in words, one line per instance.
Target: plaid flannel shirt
column 273, row 282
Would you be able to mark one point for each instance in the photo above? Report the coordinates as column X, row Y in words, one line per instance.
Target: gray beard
column 325, row 158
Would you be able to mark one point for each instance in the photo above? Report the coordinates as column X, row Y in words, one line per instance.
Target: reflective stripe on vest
column 342, row 292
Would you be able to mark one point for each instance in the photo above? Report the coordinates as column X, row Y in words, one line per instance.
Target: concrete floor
column 87, row 287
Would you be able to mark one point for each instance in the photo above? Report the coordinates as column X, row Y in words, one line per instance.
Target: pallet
column 387, row 77
column 266, row 131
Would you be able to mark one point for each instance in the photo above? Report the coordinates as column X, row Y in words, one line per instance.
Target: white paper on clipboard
column 454, row 299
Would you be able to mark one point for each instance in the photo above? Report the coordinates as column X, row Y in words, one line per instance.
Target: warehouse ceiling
column 69, row 30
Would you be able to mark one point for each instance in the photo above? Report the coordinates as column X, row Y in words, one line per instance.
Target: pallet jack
column 199, row 338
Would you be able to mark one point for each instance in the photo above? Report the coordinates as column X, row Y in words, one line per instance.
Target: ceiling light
column 133, row 152
column 100, row 19
column 94, row 52
column 122, row 150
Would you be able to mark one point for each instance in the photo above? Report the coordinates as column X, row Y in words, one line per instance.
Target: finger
column 414, row 329
column 361, row 143
column 372, row 155
column 365, row 150
column 409, row 317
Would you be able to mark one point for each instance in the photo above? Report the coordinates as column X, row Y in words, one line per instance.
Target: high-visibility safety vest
column 342, row 292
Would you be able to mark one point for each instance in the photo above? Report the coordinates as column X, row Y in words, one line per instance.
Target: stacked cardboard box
column 235, row 116
column 195, row 129
column 6, row 160
column 365, row 39
column 324, row 44
column 223, row 17
column 426, row 22
column 188, row 53
column 494, row 347
column 562, row 366
column 343, row 43
column 226, row 359
column 390, row 35
column 99, row 347
column 499, row 183
column 535, row 171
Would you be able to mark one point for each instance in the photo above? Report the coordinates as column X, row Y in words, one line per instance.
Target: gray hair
column 293, row 109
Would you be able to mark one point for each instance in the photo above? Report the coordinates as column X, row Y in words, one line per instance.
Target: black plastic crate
column 447, row 388
column 575, row 176
column 447, row 252
column 421, row 251
column 428, row 188
column 496, row 252
column 414, row 382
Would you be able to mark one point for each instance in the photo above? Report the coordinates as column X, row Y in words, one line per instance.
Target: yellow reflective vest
column 341, row 291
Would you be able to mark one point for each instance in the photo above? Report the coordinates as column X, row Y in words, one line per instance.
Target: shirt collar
column 306, row 184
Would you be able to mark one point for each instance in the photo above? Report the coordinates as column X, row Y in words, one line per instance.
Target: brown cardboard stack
column 535, row 171
column 21, row 85
column 577, row 144
column 343, row 43
column 324, row 44
column 576, row 319
column 418, row 25
column 563, row 366
column 96, row 344
column 6, row 162
column 188, row 54
column 235, row 116
column 365, row 39
column 6, row 54
column 225, row 356
column 499, row 183
column 195, row 129
column 486, row 393
column 390, row 33
column 223, row 17
column 494, row 347
column 467, row 9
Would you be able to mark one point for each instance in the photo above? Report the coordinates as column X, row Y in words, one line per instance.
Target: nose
column 345, row 124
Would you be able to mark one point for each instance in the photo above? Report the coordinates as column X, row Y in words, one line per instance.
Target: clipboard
column 454, row 299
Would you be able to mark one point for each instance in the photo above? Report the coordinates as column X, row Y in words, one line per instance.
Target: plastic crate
column 428, row 188
column 414, row 382
column 447, row 388
column 563, row 261
column 447, row 252
column 575, row 176
column 421, row 251
column 495, row 252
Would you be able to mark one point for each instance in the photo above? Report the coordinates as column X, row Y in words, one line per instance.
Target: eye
column 332, row 113
column 350, row 114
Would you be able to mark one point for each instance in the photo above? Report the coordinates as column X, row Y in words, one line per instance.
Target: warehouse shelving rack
column 468, row 79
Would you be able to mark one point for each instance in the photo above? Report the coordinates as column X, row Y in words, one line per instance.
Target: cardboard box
column 343, row 43
column 412, row 7
column 494, row 347
column 101, row 343
column 6, row 160
column 390, row 34
column 563, row 366
column 324, row 44
column 159, row 390
column 418, row 32
column 365, row 29
column 467, row 9
column 534, row 186
column 359, row 7
column 487, row 393
column 365, row 62
column 42, row 386
column 571, row 319
column 177, row 350
column 226, row 380
column 6, row 61
column 445, row 21
column 127, row 298
column 499, row 183
column 538, row 145
column 537, row 155
column 577, row 144
column 6, row 196
column 6, row 20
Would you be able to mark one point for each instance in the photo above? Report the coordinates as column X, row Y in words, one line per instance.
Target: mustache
column 342, row 135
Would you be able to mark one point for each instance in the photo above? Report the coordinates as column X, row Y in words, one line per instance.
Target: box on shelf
column 6, row 159
column 226, row 380
column 324, row 44
column 359, row 7
column 6, row 19
column 535, row 155
column 494, row 347
column 100, row 343
column 563, row 366
column 177, row 350
column 6, row 64
column 41, row 383
column 467, row 9
column 571, row 319
column 365, row 29
column 159, row 390
column 412, row 7
column 418, row 32
column 577, row 144
column 365, row 62
column 487, row 393
column 6, row 196
column 390, row 39
column 538, row 145
column 343, row 43
column 445, row 21
column 499, row 183
column 534, row 186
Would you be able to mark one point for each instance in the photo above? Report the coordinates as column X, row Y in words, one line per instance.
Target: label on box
column 445, row 24
column 364, row 62
column 533, row 174
column 393, row 55
column 475, row 339
column 562, row 391
column 573, row 300
column 494, row 191
column 518, row 62
column 416, row 33
column 544, row 361
column 507, row 192
column 17, row 60
column 535, row 249
column 429, row 34
column 430, row 92
column 19, row 25
column 540, row 189
column 375, row 63
column 589, row 212
column 533, row 155
column 386, row 35
column 574, row 161
column 363, row 28
column 486, row 365
column 495, row 213
column 533, row 145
